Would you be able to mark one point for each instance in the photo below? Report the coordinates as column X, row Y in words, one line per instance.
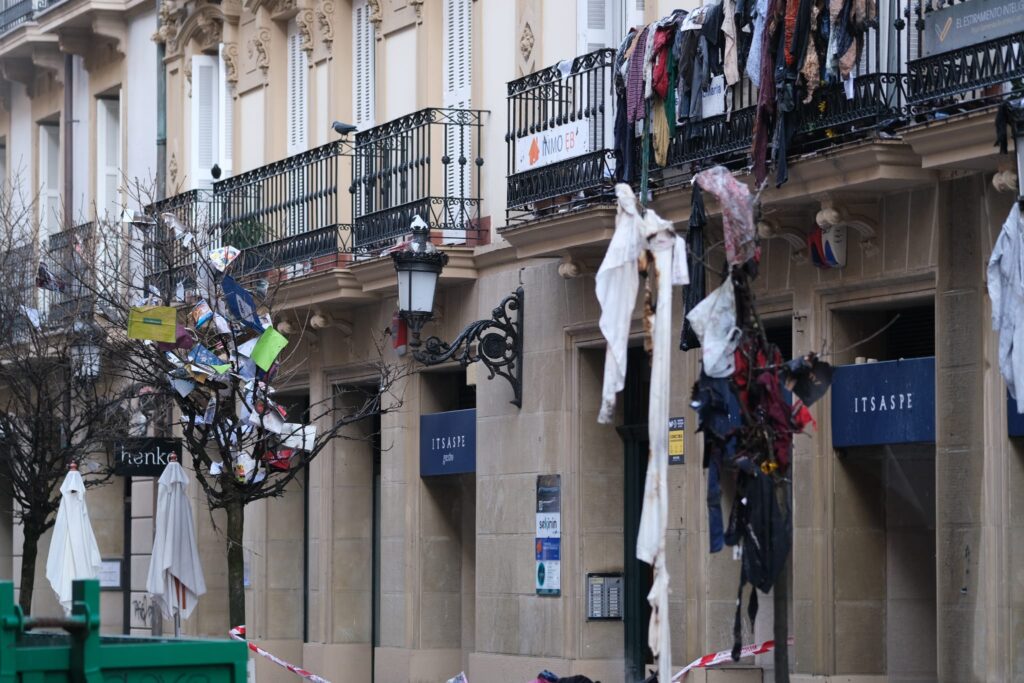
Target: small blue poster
column 548, row 575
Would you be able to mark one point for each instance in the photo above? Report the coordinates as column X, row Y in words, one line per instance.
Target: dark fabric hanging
column 695, row 292
column 764, row 118
column 764, row 529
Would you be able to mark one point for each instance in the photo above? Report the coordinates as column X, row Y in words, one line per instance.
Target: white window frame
column 106, row 172
column 457, row 64
column 298, row 92
column 364, row 90
column 205, row 70
column 49, row 220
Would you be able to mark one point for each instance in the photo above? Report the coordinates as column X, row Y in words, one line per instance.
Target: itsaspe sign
column 448, row 443
column 884, row 403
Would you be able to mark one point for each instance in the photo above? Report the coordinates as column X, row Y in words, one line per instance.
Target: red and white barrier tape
column 726, row 656
column 238, row 633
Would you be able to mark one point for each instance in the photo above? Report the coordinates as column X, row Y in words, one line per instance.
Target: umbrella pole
column 177, row 610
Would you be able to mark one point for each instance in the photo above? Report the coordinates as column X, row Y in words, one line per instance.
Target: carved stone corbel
column 186, row 71
column 304, row 21
column 169, row 20
column 259, row 46
column 376, row 16
column 111, row 30
column 20, row 70
column 49, row 59
column 325, row 19
column 230, row 55
column 831, row 214
column 769, row 229
column 418, row 6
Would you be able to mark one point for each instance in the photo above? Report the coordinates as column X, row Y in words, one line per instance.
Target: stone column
column 960, row 453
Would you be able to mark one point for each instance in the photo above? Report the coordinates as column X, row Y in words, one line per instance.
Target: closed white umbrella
column 73, row 550
column 175, row 575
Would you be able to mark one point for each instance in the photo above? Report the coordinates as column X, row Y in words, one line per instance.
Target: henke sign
column 144, row 457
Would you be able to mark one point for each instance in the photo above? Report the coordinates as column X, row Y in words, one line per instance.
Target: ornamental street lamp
column 497, row 342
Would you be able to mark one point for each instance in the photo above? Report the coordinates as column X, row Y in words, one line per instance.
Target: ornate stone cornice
column 204, row 27
column 279, row 10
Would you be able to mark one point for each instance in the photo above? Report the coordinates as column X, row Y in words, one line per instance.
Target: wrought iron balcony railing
column 559, row 136
column 72, row 256
column 948, row 71
column 284, row 213
column 15, row 15
column 167, row 259
column 426, row 164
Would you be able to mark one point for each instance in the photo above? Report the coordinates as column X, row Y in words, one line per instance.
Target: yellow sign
column 676, row 430
column 675, row 443
column 157, row 323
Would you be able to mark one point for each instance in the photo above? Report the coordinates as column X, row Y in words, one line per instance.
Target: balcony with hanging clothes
column 682, row 94
column 425, row 164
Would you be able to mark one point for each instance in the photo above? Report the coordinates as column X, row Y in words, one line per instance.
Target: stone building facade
column 907, row 559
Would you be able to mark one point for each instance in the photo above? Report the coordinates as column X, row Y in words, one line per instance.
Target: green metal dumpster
column 81, row 655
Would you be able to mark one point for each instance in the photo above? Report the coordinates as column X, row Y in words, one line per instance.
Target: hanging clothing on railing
column 764, row 117
column 622, row 149
column 635, row 79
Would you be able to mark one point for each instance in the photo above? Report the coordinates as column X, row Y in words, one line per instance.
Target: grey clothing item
column 1006, row 290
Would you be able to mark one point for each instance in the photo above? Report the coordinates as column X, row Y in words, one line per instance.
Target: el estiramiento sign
column 971, row 23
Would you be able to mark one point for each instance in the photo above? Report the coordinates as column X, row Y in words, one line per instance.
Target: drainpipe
column 69, row 142
column 161, row 121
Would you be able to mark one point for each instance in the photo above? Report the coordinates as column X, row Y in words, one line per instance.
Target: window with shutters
column 297, row 91
column 604, row 23
column 363, row 75
column 458, row 50
column 297, row 98
column 226, row 118
column 49, row 180
column 108, row 158
column 205, row 120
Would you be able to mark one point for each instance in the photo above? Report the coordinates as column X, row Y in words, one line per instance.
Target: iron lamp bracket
column 497, row 342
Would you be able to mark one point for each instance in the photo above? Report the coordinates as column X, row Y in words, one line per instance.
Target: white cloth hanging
column 650, row 544
column 617, row 283
column 175, row 574
column 1006, row 289
column 73, row 551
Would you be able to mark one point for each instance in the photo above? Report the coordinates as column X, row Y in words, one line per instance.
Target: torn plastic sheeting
column 714, row 322
column 299, row 436
column 737, row 212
